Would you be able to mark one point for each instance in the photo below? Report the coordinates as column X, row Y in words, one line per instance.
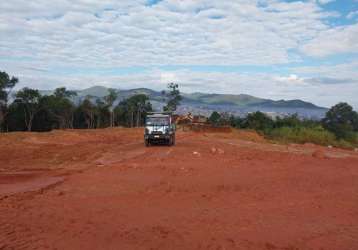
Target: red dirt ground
column 102, row 189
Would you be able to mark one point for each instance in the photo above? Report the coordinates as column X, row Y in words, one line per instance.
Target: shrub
column 339, row 127
column 288, row 121
column 316, row 135
column 236, row 121
column 215, row 118
column 343, row 144
column 342, row 120
column 258, row 121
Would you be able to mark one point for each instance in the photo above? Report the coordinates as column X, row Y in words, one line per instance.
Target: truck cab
column 159, row 128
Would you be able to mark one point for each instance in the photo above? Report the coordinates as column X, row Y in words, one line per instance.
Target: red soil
column 102, row 189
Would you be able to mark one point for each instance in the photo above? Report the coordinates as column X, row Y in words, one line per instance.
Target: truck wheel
column 171, row 141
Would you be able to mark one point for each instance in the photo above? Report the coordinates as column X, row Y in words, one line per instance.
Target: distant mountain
column 97, row 91
column 206, row 103
column 222, row 99
column 289, row 103
column 243, row 100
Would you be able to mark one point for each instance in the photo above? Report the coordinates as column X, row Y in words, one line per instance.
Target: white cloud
column 167, row 77
column 325, row 1
column 340, row 71
column 342, row 39
column 293, row 78
column 45, row 43
column 124, row 33
column 352, row 14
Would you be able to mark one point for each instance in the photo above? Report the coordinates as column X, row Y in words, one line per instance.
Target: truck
column 159, row 128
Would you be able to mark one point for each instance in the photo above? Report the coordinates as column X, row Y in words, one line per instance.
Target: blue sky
column 268, row 48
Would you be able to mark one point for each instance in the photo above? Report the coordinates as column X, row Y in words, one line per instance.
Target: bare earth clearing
column 102, row 189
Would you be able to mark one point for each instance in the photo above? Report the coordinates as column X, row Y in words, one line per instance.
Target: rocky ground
column 102, row 189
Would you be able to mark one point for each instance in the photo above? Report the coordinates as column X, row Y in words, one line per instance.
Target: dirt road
column 103, row 189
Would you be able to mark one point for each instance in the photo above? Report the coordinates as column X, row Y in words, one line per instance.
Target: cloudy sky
column 268, row 48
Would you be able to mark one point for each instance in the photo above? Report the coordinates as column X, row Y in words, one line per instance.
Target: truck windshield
column 157, row 121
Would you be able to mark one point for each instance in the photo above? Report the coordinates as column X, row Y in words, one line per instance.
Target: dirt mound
column 320, row 154
column 248, row 135
column 26, row 181
column 204, row 127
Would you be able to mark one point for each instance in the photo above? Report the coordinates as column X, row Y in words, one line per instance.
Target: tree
column 102, row 114
column 89, row 111
column 341, row 120
column 59, row 107
column 62, row 93
column 288, row 121
column 225, row 119
column 15, row 117
column 6, row 85
column 29, row 99
column 258, row 121
column 131, row 112
column 138, row 105
column 235, row 121
column 215, row 118
column 173, row 97
column 110, row 99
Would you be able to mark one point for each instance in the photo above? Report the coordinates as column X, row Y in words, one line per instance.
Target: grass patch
column 316, row 135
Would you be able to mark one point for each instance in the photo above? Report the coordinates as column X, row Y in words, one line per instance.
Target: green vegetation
column 215, row 119
column 342, row 121
column 31, row 111
column 173, row 97
column 29, row 100
column 110, row 99
column 258, row 121
column 339, row 128
column 220, row 119
column 7, row 83
column 316, row 135
column 131, row 112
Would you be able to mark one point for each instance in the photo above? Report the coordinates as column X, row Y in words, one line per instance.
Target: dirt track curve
column 103, row 189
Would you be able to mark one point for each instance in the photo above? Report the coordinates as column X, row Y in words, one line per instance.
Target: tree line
column 339, row 127
column 29, row 110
